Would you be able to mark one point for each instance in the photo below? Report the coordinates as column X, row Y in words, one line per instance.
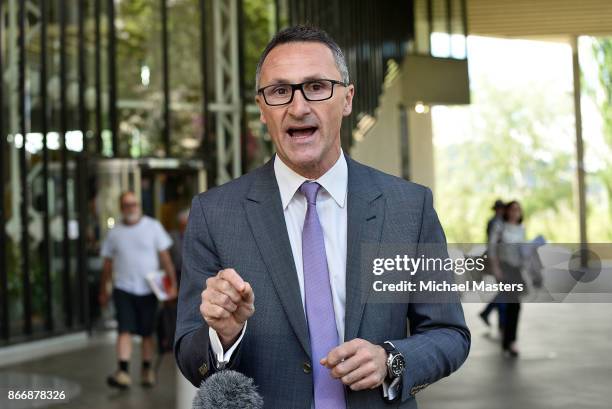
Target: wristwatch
column 395, row 360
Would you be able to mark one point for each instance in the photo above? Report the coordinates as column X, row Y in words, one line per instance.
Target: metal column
column 44, row 127
column 63, row 130
column 23, row 176
column 4, row 333
column 579, row 149
column 165, row 77
column 226, row 107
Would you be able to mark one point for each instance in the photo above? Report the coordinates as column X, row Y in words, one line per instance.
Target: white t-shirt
column 135, row 253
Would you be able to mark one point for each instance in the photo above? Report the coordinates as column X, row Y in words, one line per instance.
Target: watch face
column 397, row 365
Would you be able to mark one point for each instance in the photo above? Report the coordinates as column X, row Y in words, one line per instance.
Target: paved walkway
column 82, row 374
column 565, row 363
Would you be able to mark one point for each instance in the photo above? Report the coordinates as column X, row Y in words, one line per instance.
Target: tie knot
column 310, row 190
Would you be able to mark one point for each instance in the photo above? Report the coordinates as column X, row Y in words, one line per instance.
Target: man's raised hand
column 227, row 303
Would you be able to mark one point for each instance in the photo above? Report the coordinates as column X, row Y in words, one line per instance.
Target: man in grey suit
column 272, row 278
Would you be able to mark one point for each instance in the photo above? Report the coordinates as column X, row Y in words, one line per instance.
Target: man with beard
column 134, row 248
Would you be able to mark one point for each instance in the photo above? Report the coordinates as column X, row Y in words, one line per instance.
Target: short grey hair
column 301, row 33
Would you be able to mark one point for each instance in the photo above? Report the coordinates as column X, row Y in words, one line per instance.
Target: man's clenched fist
column 227, row 302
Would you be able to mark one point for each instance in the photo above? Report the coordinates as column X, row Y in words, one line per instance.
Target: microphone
column 228, row 390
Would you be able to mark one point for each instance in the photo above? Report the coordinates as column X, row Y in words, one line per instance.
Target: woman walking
column 507, row 262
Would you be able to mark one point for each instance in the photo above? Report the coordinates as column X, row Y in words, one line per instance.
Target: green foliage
column 259, row 26
column 139, row 36
column 15, row 284
column 138, row 31
column 13, row 269
column 514, row 151
column 602, row 52
column 521, row 146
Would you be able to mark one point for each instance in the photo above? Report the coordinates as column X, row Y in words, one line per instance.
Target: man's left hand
column 359, row 364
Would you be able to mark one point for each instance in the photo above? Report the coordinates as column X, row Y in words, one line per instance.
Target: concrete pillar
column 420, row 139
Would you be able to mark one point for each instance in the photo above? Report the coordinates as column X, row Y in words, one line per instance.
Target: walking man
column 134, row 248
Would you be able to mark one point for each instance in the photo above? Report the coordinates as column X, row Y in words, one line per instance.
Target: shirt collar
column 334, row 181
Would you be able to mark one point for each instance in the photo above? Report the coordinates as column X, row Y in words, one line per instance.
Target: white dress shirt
column 331, row 209
column 332, row 212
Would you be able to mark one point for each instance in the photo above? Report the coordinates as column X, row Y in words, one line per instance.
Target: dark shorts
column 135, row 313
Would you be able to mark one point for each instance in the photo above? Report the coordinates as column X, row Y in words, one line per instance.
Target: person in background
column 492, row 224
column 498, row 217
column 176, row 251
column 134, row 248
column 507, row 262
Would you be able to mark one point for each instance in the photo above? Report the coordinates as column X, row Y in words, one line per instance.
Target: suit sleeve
column 439, row 340
column 192, row 348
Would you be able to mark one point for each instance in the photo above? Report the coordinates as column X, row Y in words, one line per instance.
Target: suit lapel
column 265, row 216
column 365, row 214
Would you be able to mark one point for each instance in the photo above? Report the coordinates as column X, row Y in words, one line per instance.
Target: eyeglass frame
column 300, row 86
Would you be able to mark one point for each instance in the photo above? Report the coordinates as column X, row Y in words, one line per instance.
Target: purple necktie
column 328, row 392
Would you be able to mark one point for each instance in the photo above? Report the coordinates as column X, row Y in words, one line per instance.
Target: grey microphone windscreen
column 228, row 390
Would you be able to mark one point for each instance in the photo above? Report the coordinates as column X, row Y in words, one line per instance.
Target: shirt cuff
column 217, row 348
column 391, row 390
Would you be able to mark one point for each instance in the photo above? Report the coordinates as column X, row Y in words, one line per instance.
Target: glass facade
column 100, row 96
column 440, row 28
column 88, row 85
column 43, row 123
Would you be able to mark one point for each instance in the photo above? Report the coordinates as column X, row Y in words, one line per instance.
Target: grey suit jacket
column 241, row 225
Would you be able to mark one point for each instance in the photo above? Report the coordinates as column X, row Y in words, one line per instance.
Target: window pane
column 458, row 43
column 139, row 78
column 186, row 119
column 259, row 27
column 440, row 38
column 421, row 27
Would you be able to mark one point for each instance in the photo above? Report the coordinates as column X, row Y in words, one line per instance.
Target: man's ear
column 259, row 103
column 348, row 100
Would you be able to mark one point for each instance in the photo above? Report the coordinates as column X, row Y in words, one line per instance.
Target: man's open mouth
column 302, row 132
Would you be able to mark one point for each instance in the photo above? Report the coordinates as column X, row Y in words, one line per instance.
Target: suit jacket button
column 203, row 369
column 307, row 367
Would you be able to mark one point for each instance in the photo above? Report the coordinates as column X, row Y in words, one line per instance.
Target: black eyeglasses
column 313, row 90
